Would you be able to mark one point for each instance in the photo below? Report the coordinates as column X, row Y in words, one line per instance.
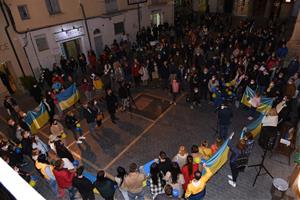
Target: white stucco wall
column 104, row 24
column 52, row 55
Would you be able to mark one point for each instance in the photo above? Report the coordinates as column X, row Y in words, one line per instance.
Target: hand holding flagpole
column 231, row 135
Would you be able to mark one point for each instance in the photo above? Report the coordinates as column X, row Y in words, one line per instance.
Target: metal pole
column 139, row 16
column 86, row 25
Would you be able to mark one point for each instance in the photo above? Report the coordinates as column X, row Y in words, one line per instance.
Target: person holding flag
column 196, row 189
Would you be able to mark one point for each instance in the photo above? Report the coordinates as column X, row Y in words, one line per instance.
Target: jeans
column 53, row 186
column 223, row 131
column 92, row 126
column 140, row 195
column 234, row 171
column 68, row 193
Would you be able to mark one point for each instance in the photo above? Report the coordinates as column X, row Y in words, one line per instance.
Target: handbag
column 100, row 116
column 155, row 75
column 242, row 161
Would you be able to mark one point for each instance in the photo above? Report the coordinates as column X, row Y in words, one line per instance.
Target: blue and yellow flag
column 254, row 127
column 266, row 103
column 68, row 97
column 37, row 119
column 219, row 158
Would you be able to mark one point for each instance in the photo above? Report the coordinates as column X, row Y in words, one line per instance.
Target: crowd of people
column 209, row 61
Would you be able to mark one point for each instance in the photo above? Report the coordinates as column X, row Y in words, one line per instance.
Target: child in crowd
column 204, row 150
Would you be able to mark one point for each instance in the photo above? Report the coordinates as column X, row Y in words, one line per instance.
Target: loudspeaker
column 267, row 137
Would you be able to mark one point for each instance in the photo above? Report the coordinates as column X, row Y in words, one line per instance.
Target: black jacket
column 111, row 101
column 89, row 114
column 224, row 116
column 85, row 187
column 106, row 188
column 70, row 122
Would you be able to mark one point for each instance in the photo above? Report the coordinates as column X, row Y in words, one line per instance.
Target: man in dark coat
column 224, row 117
column 83, row 185
column 105, row 186
column 90, row 115
column 36, row 93
column 111, row 102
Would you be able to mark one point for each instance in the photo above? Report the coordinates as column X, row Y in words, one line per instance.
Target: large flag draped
column 266, row 103
column 219, row 158
column 254, row 127
column 68, row 97
column 37, row 119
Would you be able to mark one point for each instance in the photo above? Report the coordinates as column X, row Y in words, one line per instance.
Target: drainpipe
column 10, row 40
column 15, row 29
column 86, row 25
column 24, row 49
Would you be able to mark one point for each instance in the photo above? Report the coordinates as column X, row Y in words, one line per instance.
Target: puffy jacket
column 63, row 178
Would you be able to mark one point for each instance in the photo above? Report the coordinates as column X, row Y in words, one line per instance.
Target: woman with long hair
column 62, row 151
column 119, row 179
column 238, row 152
column 181, row 156
column 156, row 180
column 188, row 171
column 175, row 178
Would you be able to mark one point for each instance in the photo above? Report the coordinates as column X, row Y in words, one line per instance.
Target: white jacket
column 270, row 121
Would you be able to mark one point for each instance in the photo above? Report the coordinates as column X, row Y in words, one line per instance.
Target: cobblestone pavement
column 156, row 125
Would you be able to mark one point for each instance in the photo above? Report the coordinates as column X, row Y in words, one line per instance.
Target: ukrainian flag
column 219, row 158
column 68, row 97
column 254, row 127
column 37, row 119
column 266, row 103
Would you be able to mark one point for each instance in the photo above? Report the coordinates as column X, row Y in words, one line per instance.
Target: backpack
column 242, row 161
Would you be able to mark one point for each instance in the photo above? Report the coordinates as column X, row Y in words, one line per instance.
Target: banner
column 37, row 119
column 265, row 104
column 219, row 158
column 254, row 127
column 68, row 97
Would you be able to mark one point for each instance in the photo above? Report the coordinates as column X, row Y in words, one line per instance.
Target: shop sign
column 67, row 34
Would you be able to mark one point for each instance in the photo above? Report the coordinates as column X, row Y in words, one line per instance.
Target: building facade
column 43, row 30
column 247, row 8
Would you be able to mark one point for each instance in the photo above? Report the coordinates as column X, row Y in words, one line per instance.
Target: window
column 97, row 31
column 23, row 12
column 41, row 42
column 119, row 28
column 111, row 5
column 53, row 6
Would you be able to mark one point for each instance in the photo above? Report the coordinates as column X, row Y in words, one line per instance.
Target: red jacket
column 187, row 177
column 135, row 70
column 63, row 178
column 92, row 60
column 271, row 63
